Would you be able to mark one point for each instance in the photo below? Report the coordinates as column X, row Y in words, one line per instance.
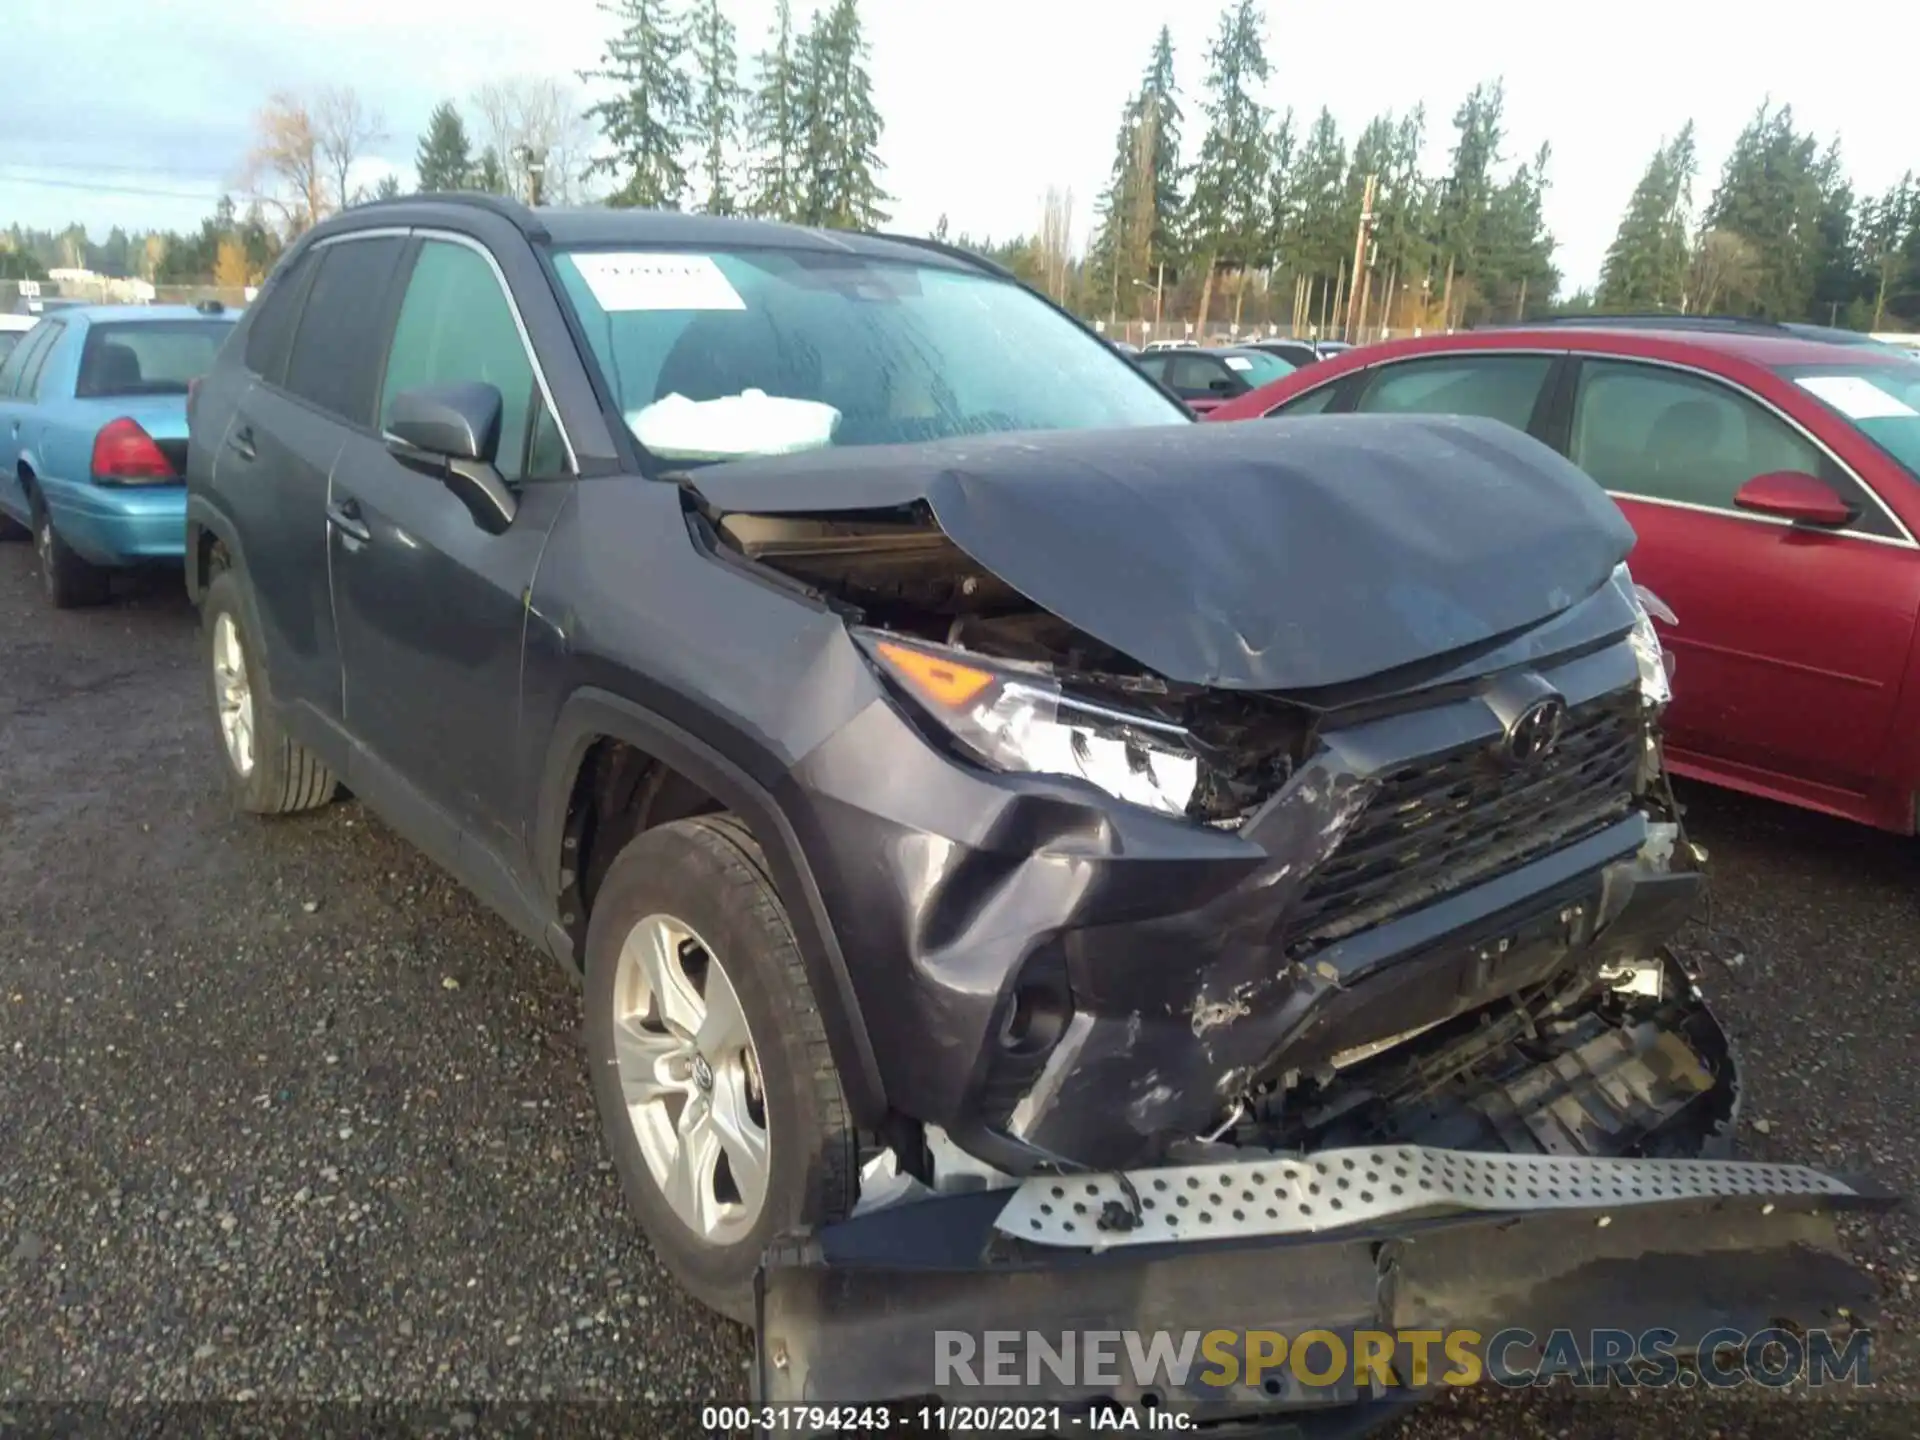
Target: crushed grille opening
column 1461, row 817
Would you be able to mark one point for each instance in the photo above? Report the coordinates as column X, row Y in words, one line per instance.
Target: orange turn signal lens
column 939, row 679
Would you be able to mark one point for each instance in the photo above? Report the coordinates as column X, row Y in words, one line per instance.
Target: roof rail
column 952, row 252
column 524, row 217
column 1648, row 320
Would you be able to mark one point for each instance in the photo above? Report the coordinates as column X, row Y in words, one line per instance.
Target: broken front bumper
column 1511, row 1248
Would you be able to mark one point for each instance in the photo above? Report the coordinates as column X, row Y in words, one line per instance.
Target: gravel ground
column 285, row 1114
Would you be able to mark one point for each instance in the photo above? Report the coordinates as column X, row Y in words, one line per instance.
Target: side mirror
column 1794, row 495
column 452, row 432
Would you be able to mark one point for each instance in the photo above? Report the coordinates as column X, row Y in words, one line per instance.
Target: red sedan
column 1774, row 483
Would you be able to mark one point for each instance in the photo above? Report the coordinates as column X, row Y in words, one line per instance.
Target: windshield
column 717, row 355
column 154, row 357
column 1881, row 401
column 1259, row 367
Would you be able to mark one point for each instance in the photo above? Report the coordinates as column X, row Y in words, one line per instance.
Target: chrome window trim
column 519, row 324
column 384, row 232
column 1904, row 540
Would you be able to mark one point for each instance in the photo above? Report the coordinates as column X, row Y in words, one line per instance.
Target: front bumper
column 918, row 1303
column 119, row 525
column 1055, row 978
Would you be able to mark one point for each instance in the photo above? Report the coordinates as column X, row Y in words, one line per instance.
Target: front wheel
column 721, row 1104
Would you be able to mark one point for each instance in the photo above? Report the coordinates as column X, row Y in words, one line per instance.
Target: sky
column 986, row 105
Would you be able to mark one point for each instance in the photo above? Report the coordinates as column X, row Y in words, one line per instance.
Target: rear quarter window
column 275, row 315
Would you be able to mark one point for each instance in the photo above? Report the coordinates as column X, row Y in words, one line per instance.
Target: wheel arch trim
column 591, row 715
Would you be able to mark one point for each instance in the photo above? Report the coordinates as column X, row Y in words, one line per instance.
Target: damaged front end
column 1256, row 893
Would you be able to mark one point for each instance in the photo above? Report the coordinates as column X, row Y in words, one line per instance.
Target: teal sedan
column 93, row 438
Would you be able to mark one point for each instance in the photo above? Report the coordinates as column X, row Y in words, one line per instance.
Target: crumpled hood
column 1264, row 555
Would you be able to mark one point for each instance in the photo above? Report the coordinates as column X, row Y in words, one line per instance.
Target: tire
column 708, row 876
column 272, row 774
column 68, row 581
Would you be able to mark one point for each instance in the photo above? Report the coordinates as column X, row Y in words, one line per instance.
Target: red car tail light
column 125, row 454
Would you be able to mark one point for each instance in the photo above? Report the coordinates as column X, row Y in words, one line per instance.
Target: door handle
column 241, row 442
column 344, row 516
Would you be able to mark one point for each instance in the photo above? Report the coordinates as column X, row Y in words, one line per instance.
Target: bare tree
column 344, row 127
column 1056, row 241
column 533, row 120
column 1724, row 271
column 285, row 168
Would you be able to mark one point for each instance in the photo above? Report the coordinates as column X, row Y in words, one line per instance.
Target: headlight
column 1656, row 664
column 1017, row 718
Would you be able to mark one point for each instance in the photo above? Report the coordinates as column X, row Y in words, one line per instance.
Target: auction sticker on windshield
column 648, row 280
column 1855, row 398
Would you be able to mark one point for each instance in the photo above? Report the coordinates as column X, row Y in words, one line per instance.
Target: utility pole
column 536, row 163
column 1360, row 234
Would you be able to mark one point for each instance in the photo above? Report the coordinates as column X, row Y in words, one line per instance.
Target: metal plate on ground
column 1334, row 1189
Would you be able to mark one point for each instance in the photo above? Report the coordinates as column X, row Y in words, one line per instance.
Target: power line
column 201, row 195
column 91, row 167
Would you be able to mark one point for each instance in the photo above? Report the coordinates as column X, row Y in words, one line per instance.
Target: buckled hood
column 1266, row 555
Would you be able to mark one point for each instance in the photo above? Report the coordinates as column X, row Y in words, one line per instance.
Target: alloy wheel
column 233, row 693
column 690, row 1076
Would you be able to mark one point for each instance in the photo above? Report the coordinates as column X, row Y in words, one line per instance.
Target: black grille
column 1460, row 817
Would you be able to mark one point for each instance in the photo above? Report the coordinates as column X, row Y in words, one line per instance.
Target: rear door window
column 155, row 357
column 1499, row 387
column 337, row 347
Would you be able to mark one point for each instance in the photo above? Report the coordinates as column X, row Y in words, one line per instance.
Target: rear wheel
column 69, row 581
column 718, row 1094
column 268, row 772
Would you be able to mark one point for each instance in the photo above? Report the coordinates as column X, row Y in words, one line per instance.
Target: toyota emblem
column 1534, row 731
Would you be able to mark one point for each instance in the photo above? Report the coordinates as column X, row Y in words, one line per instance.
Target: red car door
column 1792, row 641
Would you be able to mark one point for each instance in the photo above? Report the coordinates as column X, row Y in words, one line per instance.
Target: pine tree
column 1515, row 276
column 444, row 158
column 1467, row 190
column 1770, row 195
column 1159, row 113
column 649, row 121
column 841, row 125
column 716, row 103
column 1886, row 223
column 1312, row 243
column 776, row 123
column 1137, row 217
column 490, row 176
column 1227, row 215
